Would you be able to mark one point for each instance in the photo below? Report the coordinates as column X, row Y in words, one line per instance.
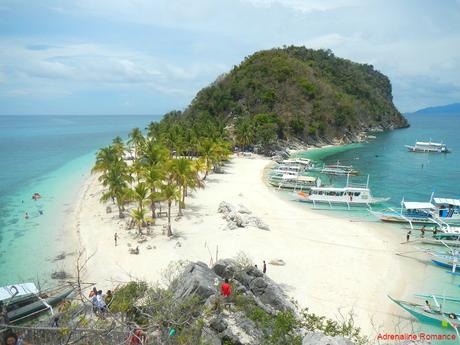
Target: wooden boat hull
column 37, row 307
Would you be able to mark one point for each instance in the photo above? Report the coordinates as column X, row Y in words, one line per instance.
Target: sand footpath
column 332, row 265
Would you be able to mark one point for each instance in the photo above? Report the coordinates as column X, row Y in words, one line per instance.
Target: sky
column 153, row 56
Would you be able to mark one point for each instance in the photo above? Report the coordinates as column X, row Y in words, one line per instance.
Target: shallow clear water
column 50, row 155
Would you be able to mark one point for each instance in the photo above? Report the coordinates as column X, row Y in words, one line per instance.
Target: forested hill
column 298, row 92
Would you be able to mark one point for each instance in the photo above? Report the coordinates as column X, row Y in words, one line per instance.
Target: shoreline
column 333, row 266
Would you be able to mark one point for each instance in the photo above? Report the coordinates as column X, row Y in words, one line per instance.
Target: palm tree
column 170, row 192
column 153, row 176
column 105, row 158
column 118, row 145
column 139, row 218
column 153, row 130
column 116, row 179
column 206, row 152
column 182, row 173
column 245, row 133
column 199, row 166
column 153, row 153
column 140, row 194
column 136, row 140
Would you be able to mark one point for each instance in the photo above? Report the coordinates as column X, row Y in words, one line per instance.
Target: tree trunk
column 152, row 207
column 140, row 229
column 182, row 201
column 169, row 218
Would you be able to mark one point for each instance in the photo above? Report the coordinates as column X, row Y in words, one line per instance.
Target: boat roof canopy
column 454, row 202
column 341, row 189
column 307, row 178
column 9, row 291
column 411, row 205
column 429, row 143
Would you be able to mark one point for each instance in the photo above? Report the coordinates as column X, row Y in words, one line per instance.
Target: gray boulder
column 258, row 223
column 258, row 286
column 237, row 218
column 225, row 268
column 225, row 208
column 318, row 338
column 243, row 209
column 218, row 324
column 196, row 279
column 241, row 330
column 209, row 337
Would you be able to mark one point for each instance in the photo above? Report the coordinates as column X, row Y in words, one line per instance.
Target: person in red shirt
column 226, row 291
column 138, row 337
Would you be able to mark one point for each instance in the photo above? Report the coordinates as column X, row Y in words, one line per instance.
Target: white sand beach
column 332, row 265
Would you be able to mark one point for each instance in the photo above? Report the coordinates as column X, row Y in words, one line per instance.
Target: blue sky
column 152, row 56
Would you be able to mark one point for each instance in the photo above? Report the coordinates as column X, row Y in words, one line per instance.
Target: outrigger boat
column 451, row 239
column 428, row 146
column 438, row 211
column 446, row 260
column 23, row 301
column 350, row 195
column 335, row 169
column 426, row 314
column 293, row 181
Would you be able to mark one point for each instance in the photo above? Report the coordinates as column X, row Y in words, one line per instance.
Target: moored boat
column 334, row 169
column 350, row 195
column 23, row 301
column 427, row 314
column 438, row 211
column 451, row 239
column 428, row 146
column 297, row 182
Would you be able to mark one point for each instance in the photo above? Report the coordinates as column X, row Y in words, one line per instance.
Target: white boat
column 286, row 169
column 428, row 146
column 334, row 169
column 350, row 195
column 438, row 211
column 296, row 182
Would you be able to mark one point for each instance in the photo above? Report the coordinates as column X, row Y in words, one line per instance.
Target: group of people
column 100, row 303
column 12, row 338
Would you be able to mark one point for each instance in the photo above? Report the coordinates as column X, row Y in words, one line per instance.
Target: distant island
column 296, row 93
column 453, row 108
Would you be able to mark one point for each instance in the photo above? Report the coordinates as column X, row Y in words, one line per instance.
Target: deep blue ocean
column 50, row 155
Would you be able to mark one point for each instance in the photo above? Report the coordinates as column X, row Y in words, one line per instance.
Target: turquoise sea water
column 50, row 155
column 396, row 173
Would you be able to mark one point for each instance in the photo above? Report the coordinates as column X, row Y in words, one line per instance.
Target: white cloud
column 307, row 5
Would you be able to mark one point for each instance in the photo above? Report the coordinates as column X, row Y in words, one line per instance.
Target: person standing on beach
column 115, row 237
column 422, row 230
column 264, row 269
column 408, row 236
column 226, row 291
